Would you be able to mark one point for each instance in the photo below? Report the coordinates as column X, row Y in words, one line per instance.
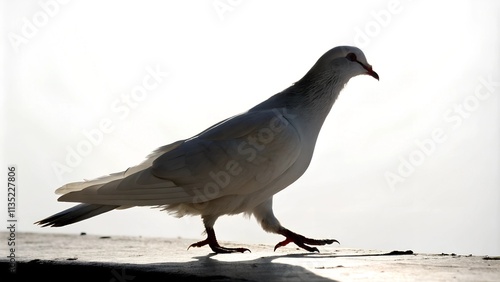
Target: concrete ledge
column 94, row 258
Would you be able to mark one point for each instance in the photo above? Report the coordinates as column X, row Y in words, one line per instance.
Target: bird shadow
column 227, row 268
column 210, row 267
column 267, row 268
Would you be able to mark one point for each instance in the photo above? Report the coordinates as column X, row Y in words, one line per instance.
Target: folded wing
column 235, row 157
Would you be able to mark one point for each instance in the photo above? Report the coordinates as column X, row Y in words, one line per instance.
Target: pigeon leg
column 301, row 241
column 214, row 245
column 265, row 216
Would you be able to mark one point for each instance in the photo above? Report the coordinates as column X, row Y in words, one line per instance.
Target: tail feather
column 83, row 211
column 77, row 213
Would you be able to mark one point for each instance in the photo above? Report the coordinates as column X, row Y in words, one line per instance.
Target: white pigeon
column 235, row 166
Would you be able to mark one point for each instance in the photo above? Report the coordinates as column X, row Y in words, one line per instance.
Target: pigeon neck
column 316, row 94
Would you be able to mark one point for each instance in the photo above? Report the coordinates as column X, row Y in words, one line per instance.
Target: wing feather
column 77, row 186
column 235, row 157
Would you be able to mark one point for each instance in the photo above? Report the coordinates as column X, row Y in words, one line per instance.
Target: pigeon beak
column 371, row 72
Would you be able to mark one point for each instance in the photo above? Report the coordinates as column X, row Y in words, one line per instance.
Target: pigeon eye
column 351, row 57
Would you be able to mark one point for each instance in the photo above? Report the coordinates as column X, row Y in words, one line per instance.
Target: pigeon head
column 345, row 62
column 357, row 62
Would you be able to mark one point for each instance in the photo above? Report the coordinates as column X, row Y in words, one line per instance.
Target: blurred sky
column 407, row 162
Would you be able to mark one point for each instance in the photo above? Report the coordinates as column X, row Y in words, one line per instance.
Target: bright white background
column 66, row 64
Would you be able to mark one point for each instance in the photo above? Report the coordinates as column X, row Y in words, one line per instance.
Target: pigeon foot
column 214, row 245
column 302, row 241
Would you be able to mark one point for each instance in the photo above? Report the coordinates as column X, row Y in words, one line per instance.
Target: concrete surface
column 119, row 259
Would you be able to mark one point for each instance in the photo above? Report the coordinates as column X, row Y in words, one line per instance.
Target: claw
column 301, row 241
column 217, row 248
column 198, row 244
column 214, row 245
